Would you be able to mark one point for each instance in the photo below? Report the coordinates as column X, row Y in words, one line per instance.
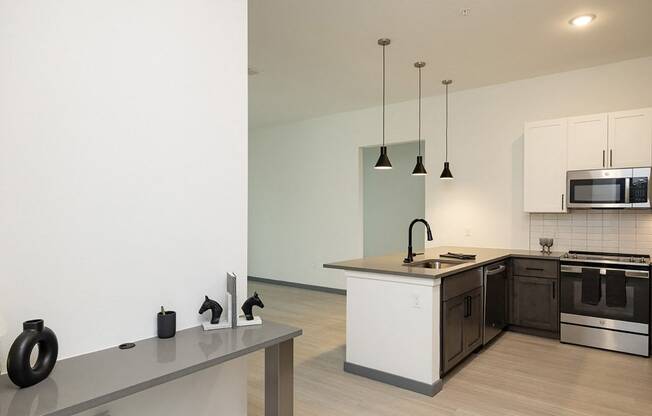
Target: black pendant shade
column 446, row 173
column 383, row 160
column 419, row 169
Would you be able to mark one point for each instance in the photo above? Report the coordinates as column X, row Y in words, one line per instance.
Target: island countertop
column 393, row 263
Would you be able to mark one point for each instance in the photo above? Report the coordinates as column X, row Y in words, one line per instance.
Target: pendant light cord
column 419, row 111
column 446, row 122
column 383, row 95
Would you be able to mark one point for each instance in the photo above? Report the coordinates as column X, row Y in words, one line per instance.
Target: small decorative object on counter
column 21, row 372
column 231, row 318
column 216, row 309
column 231, row 299
column 247, row 307
column 166, row 322
column 545, row 244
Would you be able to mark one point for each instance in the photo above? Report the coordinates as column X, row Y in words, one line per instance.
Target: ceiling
column 316, row 57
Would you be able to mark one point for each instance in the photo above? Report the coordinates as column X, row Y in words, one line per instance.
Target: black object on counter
column 591, row 289
column 459, row 256
column 249, row 304
column 216, row 309
column 166, row 323
column 20, row 370
column 615, row 290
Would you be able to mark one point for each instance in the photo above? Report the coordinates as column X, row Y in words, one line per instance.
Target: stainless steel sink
column 435, row 263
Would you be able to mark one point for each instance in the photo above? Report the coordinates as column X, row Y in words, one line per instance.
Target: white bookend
column 242, row 321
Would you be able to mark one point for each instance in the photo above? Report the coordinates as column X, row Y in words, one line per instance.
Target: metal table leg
column 279, row 379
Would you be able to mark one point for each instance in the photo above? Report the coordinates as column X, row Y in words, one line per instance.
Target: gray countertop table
column 90, row 380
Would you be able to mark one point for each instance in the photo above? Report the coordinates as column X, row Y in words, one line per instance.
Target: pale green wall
column 391, row 199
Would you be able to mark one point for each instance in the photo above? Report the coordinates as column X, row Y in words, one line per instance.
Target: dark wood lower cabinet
column 535, row 302
column 453, row 331
column 473, row 324
column 461, row 327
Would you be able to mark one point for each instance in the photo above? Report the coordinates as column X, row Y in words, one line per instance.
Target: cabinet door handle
column 534, row 269
column 611, row 157
column 467, row 307
column 603, row 152
column 554, row 289
column 562, row 202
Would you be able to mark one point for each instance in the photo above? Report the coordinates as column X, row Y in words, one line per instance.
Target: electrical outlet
column 465, row 11
column 467, row 232
column 416, row 302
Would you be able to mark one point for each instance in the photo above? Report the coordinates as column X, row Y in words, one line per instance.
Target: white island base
column 393, row 330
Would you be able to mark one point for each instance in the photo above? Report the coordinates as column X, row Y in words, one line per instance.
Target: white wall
column 123, row 164
column 305, row 190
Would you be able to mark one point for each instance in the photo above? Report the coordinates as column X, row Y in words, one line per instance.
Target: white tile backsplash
column 595, row 230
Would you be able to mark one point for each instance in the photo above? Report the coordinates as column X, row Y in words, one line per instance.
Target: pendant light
column 383, row 160
column 419, row 169
column 446, row 173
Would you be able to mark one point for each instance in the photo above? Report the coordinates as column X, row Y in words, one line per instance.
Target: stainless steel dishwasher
column 495, row 300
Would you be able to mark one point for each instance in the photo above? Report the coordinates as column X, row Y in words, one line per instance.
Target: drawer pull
column 534, row 269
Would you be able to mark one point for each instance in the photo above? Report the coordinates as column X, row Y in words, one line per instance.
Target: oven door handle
column 640, row 274
column 571, row 269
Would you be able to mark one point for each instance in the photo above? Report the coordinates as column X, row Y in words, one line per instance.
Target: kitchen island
column 396, row 317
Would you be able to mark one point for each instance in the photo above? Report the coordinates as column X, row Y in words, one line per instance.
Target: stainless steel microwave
column 609, row 188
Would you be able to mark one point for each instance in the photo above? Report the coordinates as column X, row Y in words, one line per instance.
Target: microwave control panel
column 638, row 190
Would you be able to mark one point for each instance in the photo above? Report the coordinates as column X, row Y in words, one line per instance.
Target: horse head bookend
column 247, row 306
column 216, row 310
column 230, row 320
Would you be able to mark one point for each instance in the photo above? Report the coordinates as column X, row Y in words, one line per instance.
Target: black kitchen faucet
column 410, row 255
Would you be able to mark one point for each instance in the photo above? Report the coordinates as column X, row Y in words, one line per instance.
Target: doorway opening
column 391, row 199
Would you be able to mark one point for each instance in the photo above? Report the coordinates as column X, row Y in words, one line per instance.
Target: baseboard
column 394, row 380
column 533, row 331
column 298, row 285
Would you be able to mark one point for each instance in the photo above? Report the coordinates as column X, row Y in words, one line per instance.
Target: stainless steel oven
column 609, row 188
column 595, row 313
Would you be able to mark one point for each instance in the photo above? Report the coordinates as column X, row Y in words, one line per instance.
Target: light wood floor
column 517, row 375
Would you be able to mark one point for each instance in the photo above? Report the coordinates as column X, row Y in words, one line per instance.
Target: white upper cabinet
column 599, row 141
column 630, row 139
column 545, row 160
column 587, row 142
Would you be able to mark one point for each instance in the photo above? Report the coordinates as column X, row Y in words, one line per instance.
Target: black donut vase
column 21, row 372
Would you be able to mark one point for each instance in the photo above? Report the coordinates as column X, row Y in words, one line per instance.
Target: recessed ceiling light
column 582, row 20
